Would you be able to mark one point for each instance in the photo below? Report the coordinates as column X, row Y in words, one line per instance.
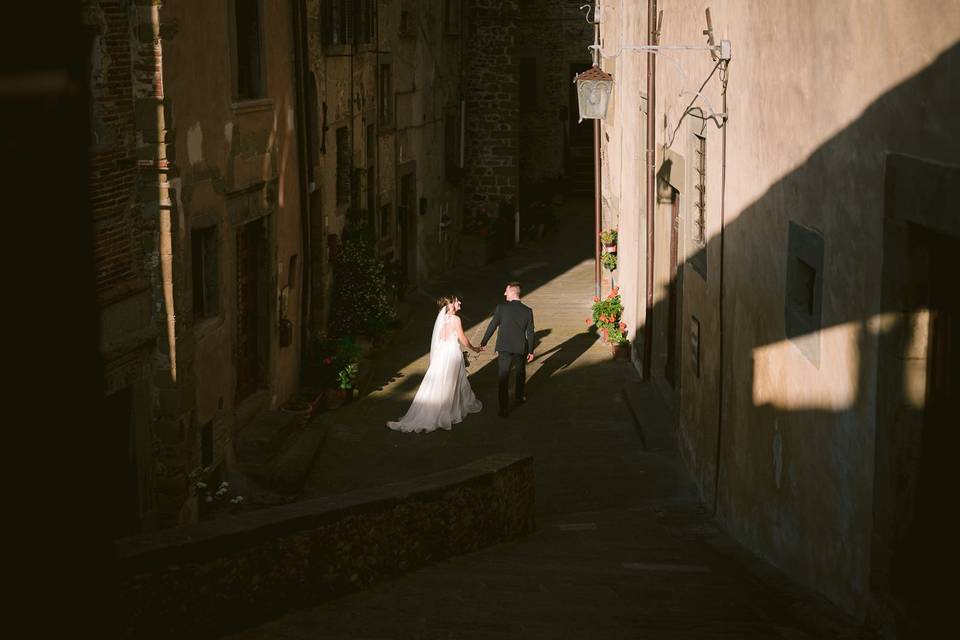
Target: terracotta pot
column 620, row 351
column 334, row 398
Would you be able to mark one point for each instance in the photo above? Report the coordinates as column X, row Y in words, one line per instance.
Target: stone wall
column 492, row 171
column 206, row 579
column 554, row 34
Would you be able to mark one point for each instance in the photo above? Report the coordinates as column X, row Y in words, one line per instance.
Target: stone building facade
column 198, row 234
column 385, row 105
column 793, row 282
column 552, row 48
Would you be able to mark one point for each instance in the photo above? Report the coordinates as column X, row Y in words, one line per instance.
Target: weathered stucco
column 819, row 93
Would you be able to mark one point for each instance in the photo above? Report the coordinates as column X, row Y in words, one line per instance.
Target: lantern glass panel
column 593, row 97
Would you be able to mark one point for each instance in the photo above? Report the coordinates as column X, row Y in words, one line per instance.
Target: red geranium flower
column 327, row 361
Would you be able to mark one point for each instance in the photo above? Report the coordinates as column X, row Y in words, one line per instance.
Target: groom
column 515, row 342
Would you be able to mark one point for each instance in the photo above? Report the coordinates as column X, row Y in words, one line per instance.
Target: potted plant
column 608, row 239
column 606, row 318
column 609, row 261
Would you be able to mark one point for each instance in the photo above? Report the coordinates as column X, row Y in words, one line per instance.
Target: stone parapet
column 209, row 578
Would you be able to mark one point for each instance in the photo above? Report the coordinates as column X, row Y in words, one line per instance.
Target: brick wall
column 113, row 168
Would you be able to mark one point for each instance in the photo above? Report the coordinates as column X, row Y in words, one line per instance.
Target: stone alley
column 624, row 548
column 735, row 223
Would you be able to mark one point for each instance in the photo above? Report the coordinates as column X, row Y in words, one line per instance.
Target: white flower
column 224, row 484
column 201, row 485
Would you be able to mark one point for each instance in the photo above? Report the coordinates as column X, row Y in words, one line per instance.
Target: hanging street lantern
column 593, row 93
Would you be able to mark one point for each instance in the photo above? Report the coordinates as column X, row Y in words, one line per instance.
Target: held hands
column 480, row 348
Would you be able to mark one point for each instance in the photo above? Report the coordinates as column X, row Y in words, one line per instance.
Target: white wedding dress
column 444, row 397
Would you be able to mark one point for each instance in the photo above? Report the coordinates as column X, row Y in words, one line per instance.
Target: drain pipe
column 304, row 146
column 596, row 205
column 723, row 203
column 651, row 173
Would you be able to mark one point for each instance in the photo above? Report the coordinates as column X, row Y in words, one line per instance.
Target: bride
column 444, row 397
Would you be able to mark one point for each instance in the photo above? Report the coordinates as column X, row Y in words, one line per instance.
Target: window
column 343, row 165
column 385, row 221
column 804, row 289
column 366, row 16
column 337, row 21
column 205, row 272
column 313, row 127
column 386, row 94
column 451, row 138
column 249, row 66
column 407, row 24
column 371, row 174
column 698, row 227
column 451, row 17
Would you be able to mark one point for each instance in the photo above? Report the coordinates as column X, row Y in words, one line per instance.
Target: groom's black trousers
column 505, row 361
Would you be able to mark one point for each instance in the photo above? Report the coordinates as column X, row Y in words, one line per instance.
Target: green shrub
column 360, row 288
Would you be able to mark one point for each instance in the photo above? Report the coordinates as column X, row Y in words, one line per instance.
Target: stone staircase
column 581, row 170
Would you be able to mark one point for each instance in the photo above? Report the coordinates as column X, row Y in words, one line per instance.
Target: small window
column 337, row 21
column 371, row 177
column 407, row 24
column 385, row 222
column 249, row 64
column 205, row 272
column 343, row 165
column 451, row 17
column 803, row 296
column 313, row 126
column 386, row 94
column 802, row 287
column 366, row 16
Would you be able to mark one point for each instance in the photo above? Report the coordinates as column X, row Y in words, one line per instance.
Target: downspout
column 651, row 173
column 302, row 78
column 723, row 202
column 596, row 206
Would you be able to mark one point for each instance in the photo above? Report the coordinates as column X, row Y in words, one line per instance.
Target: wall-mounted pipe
column 651, row 176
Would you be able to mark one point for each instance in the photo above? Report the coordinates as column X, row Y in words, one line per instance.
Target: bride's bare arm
column 463, row 337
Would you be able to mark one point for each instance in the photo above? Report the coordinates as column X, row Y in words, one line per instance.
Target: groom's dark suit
column 514, row 341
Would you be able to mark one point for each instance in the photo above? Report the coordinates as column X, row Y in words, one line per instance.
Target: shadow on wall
column 797, row 475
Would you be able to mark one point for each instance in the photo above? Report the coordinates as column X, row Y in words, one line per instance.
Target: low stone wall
column 222, row 575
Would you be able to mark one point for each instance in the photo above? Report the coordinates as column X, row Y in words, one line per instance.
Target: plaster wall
column 819, row 93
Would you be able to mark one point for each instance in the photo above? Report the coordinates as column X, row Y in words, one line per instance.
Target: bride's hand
column 477, row 349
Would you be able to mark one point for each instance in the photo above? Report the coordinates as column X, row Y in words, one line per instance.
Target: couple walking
column 445, row 396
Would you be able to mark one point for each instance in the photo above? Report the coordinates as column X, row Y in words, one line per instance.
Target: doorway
column 251, row 256
column 925, row 539
column 407, row 227
column 118, row 420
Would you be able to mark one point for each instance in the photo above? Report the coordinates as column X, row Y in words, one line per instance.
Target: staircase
column 581, row 170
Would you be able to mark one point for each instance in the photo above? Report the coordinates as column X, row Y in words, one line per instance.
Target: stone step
column 264, row 438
